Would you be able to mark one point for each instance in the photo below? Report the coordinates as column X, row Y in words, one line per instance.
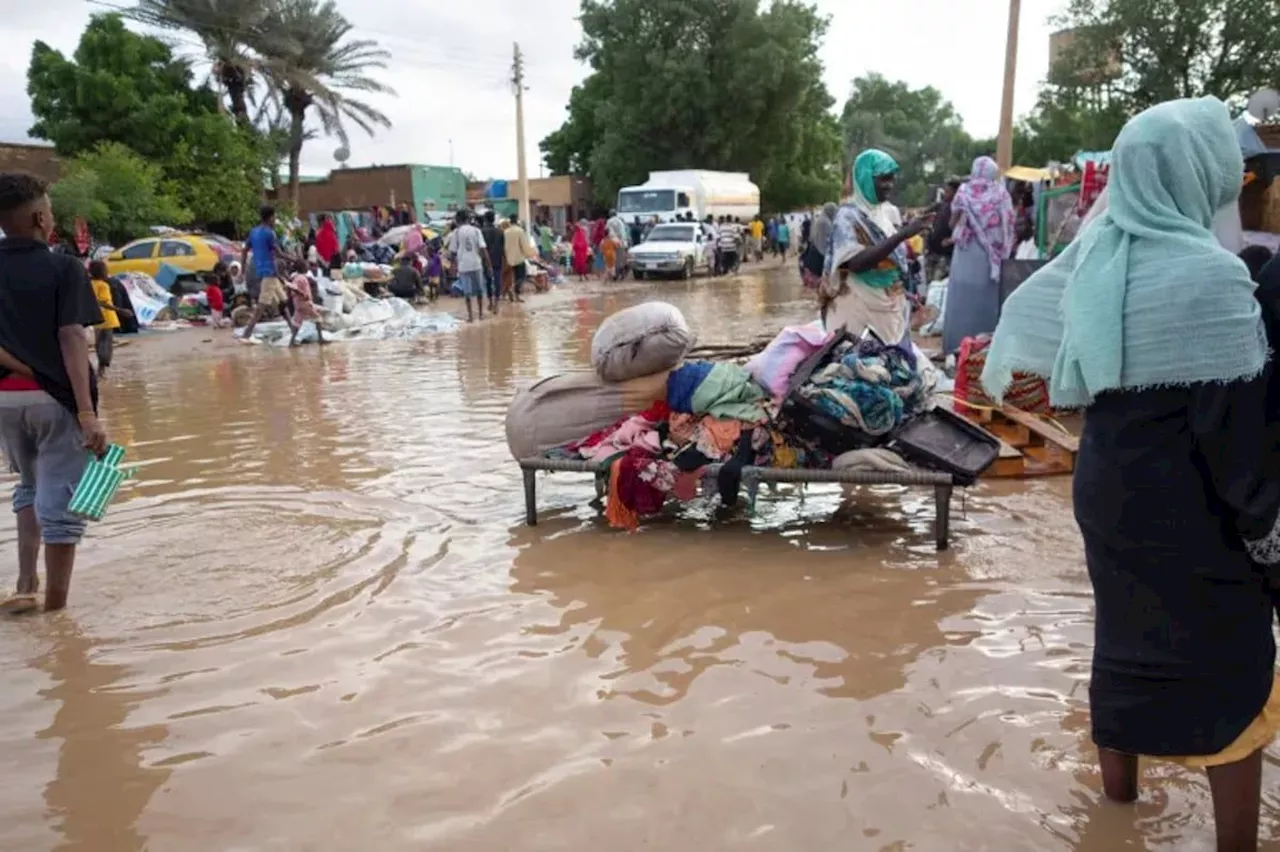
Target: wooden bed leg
column 530, row 497
column 942, row 516
column 602, row 486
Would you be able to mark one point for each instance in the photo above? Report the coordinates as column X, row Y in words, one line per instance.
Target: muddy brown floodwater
column 315, row 621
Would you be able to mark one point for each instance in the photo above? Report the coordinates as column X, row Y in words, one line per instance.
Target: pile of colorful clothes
column 719, row 413
column 870, row 386
column 713, row 413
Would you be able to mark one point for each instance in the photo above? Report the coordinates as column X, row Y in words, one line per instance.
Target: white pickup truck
column 679, row 249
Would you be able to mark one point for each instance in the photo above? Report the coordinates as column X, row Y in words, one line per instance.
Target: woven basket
column 1027, row 392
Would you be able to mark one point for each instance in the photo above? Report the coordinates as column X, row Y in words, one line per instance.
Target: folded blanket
column 682, row 383
column 729, row 392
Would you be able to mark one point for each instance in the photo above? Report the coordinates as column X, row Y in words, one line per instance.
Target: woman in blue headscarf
column 866, row 262
column 1152, row 326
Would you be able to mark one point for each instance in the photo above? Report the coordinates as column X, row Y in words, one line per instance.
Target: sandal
column 19, row 604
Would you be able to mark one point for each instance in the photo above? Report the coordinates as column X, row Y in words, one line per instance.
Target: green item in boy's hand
column 98, row 485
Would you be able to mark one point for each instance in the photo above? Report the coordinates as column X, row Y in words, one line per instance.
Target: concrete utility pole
column 1004, row 145
column 522, row 176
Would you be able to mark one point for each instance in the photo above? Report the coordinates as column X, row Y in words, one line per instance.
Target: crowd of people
column 600, row 247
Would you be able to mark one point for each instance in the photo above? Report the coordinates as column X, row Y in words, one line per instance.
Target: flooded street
column 316, row 621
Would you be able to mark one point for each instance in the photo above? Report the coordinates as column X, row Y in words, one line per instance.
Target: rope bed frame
column 942, row 483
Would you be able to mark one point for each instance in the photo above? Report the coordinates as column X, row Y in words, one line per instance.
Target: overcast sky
column 451, row 64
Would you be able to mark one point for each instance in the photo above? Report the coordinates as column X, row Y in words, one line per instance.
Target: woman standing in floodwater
column 1152, row 326
column 866, row 266
column 982, row 222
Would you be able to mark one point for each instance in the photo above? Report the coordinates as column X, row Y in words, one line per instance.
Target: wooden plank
column 1008, row 452
column 1010, row 464
column 1029, row 446
column 1050, row 433
column 1010, row 433
column 1050, row 459
column 1007, row 468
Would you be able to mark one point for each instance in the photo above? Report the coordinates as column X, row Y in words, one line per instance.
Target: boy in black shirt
column 48, row 409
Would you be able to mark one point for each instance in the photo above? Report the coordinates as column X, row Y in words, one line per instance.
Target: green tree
column 234, row 34
column 118, row 86
column 316, row 65
column 1164, row 49
column 713, row 84
column 77, row 195
column 1063, row 123
column 215, row 171
column 117, row 192
column 920, row 128
column 125, row 88
column 1127, row 55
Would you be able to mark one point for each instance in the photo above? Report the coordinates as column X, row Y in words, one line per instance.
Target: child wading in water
column 435, row 270
column 303, row 308
column 105, row 331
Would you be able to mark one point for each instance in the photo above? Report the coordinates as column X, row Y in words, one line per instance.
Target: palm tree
column 313, row 63
column 232, row 32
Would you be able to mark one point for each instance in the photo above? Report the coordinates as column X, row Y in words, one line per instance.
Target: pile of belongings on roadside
column 371, row 319
column 811, row 399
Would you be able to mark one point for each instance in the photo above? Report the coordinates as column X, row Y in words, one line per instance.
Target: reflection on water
column 314, row 621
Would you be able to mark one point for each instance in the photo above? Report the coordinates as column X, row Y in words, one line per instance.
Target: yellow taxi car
column 190, row 252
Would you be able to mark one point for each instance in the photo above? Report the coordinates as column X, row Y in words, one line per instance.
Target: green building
column 438, row 188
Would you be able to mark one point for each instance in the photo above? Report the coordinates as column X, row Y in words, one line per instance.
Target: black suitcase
column 943, row 440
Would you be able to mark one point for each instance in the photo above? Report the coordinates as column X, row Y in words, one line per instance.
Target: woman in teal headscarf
column 866, row 261
column 1150, row 324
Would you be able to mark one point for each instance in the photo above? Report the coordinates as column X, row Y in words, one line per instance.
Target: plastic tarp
column 937, row 299
column 169, row 274
column 395, row 236
column 146, row 295
column 1250, row 143
column 371, row 319
column 1098, row 158
column 1027, row 174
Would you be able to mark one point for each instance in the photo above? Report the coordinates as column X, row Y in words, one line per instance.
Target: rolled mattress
column 571, row 406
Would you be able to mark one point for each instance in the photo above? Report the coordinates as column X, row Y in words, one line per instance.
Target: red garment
column 581, row 252
column 639, row 496
column 213, row 295
column 598, row 232
column 656, row 413
column 1091, row 185
column 686, row 487
column 14, row 382
column 327, row 241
